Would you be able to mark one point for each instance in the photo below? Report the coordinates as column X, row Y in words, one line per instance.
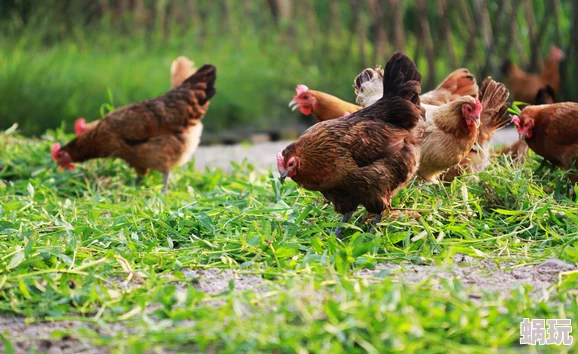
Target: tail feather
column 401, row 89
column 507, row 67
column 368, row 86
column 401, row 78
column 545, row 95
column 457, row 84
column 494, row 96
column 204, row 79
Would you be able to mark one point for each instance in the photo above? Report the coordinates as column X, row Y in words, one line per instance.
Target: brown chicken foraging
column 157, row 134
column 181, row 69
column 321, row 105
column 524, row 87
column 493, row 97
column 366, row 157
column 368, row 87
column 551, row 131
column 519, row 149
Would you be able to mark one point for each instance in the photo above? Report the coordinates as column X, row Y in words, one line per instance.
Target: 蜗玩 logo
column 540, row 331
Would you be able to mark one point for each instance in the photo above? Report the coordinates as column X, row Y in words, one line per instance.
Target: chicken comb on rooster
column 301, row 89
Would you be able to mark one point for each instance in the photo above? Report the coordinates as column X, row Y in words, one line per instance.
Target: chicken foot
column 344, row 219
column 373, row 224
column 165, row 182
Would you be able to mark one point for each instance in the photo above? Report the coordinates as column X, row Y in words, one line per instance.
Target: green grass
column 68, row 240
column 43, row 86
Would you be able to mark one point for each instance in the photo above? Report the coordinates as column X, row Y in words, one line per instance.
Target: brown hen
column 366, row 157
column 551, row 131
column 157, row 134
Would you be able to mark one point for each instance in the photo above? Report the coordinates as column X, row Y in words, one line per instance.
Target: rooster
column 157, row 134
column 493, row 97
column 321, row 105
column 366, row 157
column 525, row 87
column 550, row 131
column 181, row 69
column 368, row 87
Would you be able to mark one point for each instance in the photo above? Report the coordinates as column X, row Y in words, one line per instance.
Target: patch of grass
column 87, row 245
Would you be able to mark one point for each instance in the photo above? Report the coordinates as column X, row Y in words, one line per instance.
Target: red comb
column 516, row 120
column 279, row 160
column 54, row 151
column 557, row 53
column 301, row 88
column 79, row 126
column 478, row 109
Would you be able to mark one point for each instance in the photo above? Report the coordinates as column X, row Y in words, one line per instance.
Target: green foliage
column 59, row 59
column 87, row 245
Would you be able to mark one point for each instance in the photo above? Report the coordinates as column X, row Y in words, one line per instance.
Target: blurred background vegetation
column 64, row 59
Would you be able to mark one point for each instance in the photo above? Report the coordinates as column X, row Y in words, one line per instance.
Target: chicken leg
column 344, row 219
column 165, row 182
column 373, row 225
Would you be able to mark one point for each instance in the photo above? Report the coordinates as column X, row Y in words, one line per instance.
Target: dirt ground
column 478, row 276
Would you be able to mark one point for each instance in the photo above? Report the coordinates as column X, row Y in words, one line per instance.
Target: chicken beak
column 294, row 104
column 283, row 175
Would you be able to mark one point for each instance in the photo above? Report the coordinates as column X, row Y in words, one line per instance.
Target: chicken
column 519, row 149
column 524, row 87
column 450, row 133
column 321, row 105
column 366, row 157
column 368, row 87
column 157, row 134
column 493, row 97
column 181, row 69
column 551, row 131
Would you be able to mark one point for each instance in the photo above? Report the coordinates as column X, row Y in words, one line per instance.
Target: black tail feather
column 401, row 90
column 206, row 74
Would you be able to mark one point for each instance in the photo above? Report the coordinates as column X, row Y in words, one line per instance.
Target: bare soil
column 479, row 276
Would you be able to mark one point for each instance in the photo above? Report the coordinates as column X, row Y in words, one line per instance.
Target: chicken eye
column 306, row 97
column 291, row 164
